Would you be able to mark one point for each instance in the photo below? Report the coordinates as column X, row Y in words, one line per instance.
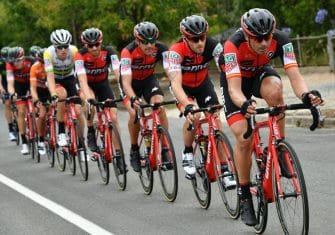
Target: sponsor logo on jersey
column 289, row 51
column 230, row 61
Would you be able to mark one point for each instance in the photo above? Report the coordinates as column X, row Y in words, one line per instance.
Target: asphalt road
column 36, row 199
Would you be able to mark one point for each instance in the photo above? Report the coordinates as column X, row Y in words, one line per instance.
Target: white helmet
column 60, row 37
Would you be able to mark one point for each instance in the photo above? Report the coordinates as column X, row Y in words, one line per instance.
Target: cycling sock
column 61, row 127
column 24, row 139
column 10, row 127
column 134, row 147
column 245, row 191
column 188, row 149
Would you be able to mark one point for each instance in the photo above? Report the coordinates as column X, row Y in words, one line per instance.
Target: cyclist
column 91, row 65
column 247, row 71
column 138, row 60
column 189, row 60
column 59, row 67
column 4, row 92
column 18, row 73
column 39, row 92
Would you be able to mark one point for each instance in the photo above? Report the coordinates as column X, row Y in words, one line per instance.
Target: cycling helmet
column 4, row 52
column 39, row 53
column 33, row 49
column 60, row 37
column 91, row 36
column 15, row 53
column 193, row 25
column 258, row 22
column 146, row 30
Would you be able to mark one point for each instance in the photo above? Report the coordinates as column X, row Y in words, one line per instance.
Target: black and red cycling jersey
column 239, row 60
column 96, row 69
column 140, row 66
column 20, row 75
column 194, row 67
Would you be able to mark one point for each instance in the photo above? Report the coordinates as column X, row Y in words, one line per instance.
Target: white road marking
column 66, row 214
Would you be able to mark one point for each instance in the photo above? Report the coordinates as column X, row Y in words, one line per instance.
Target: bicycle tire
column 200, row 182
column 62, row 154
column 229, row 195
column 82, row 157
column 50, row 154
column 16, row 131
column 34, row 145
column 120, row 171
column 71, row 158
column 258, row 196
column 292, row 222
column 168, row 170
column 146, row 174
column 102, row 163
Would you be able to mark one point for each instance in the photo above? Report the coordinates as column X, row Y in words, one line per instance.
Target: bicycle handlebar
column 100, row 104
column 209, row 109
column 273, row 111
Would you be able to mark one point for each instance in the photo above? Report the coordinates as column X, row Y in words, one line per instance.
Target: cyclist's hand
column 13, row 96
column 248, row 108
column 54, row 97
column 188, row 114
column 312, row 98
column 135, row 102
column 90, row 101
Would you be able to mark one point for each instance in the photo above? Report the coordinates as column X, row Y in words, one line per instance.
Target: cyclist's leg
column 43, row 95
column 270, row 88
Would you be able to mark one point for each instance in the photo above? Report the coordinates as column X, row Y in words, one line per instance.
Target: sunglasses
column 197, row 38
column 147, row 41
column 17, row 60
column 260, row 39
column 60, row 47
column 94, row 45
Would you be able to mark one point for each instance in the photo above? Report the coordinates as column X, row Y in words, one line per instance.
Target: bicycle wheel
column 229, row 195
column 103, row 164
column 168, row 172
column 258, row 197
column 292, row 205
column 51, row 154
column 200, row 182
column 62, row 153
column 82, row 157
column 34, row 141
column 146, row 175
column 119, row 164
column 16, row 131
column 71, row 161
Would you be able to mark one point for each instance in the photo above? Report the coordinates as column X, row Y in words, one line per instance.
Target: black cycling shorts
column 102, row 91
column 69, row 85
column 147, row 87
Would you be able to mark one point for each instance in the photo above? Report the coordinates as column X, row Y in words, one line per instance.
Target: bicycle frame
column 30, row 115
column 51, row 117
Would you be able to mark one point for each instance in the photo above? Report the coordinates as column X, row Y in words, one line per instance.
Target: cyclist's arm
column 82, row 77
column 115, row 63
column 48, row 66
column 235, row 92
column 297, row 82
column 10, row 81
column 33, row 83
column 2, row 89
column 126, row 75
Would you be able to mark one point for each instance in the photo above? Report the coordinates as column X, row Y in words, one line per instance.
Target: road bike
column 76, row 144
column 14, row 115
column 156, row 152
column 207, row 149
column 109, row 143
column 276, row 173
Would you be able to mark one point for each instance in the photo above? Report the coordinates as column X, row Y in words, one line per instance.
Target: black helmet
column 32, row 50
column 91, row 36
column 193, row 25
column 4, row 52
column 15, row 53
column 39, row 53
column 258, row 22
column 146, row 30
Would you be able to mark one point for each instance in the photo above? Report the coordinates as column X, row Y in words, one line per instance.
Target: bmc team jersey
column 61, row 68
column 140, row 66
column 193, row 66
column 20, row 75
column 96, row 69
column 37, row 75
column 239, row 60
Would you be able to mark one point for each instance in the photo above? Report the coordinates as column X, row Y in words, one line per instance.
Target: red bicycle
column 109, row 144
column 157, row 152
column 276, row 173
column 209, row 168
column 76, row 146
column 31, row 129
column 14, row 114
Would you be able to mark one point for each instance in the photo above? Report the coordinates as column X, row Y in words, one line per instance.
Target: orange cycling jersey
column 194, row 67
column 239, row 60
column 140, row 66
column 38, row 75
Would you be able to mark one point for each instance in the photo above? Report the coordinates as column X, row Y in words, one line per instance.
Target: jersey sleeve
column 48, row 64
column 79, row 64
column 174, row 59
column 125, row 63
column 286, row 50
column 33, row 77
column 216, row 54
column 230, row 58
